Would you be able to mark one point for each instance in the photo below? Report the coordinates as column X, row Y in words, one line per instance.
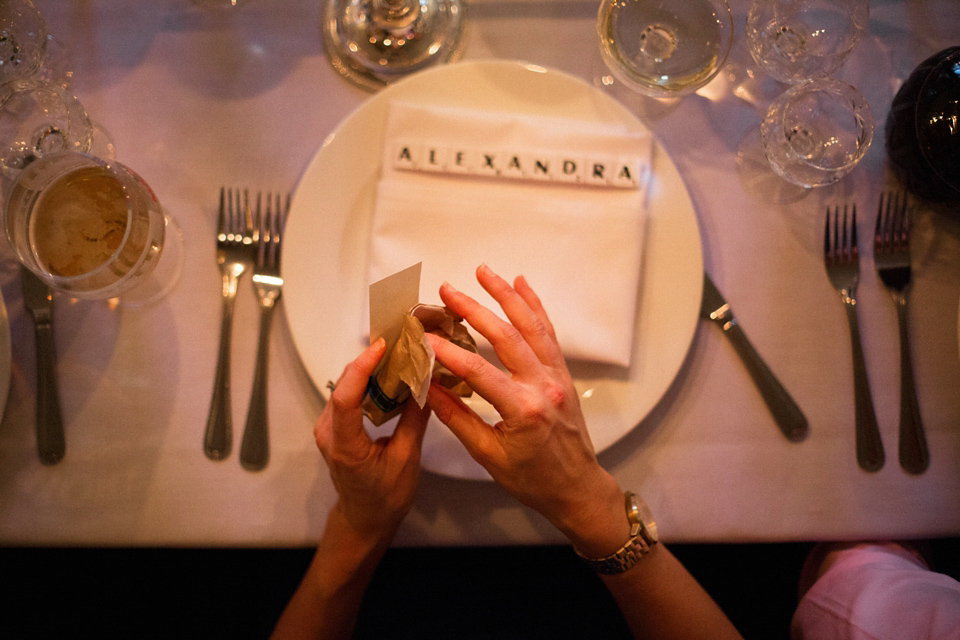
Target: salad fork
column 267, row 282
column 891, row 253
column 842, row 260
column 235, row 247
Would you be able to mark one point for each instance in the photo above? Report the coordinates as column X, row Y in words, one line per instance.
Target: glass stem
column 394, row 14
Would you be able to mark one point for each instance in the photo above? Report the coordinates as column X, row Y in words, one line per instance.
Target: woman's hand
column 540, row 451
column 375, row 480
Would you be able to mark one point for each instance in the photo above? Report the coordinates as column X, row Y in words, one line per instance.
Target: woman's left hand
column 375, row 480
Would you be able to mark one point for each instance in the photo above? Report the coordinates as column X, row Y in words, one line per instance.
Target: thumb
column 410, row 429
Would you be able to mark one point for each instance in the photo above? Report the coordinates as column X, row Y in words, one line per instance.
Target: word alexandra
column 603, row 172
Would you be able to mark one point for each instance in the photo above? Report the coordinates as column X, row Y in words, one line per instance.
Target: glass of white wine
column 817, row 132
column 664, row 48
column 88, row 227
column 375, row 42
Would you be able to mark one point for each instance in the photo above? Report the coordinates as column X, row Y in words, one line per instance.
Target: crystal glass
column 817, row 132
column 375, row 42
column 664, row 48
column 922, row 136
column 799, row 40
column 37, row 119
column 23, row 40
column 85, row 226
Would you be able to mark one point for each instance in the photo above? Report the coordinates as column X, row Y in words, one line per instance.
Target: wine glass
column 86, row 226
column 23, row 40
column 36, row 119
column 664, row 48
column 816, row 132
column 375, row 42
column 922, row 137
column 798, row 40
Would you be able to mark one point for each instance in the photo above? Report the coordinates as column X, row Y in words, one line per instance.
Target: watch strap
column 639, row 544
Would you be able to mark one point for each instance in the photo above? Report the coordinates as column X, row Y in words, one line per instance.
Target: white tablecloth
column 196, row 98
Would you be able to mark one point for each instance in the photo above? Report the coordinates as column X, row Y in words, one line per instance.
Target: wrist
column 598, row 525
column 348, row 553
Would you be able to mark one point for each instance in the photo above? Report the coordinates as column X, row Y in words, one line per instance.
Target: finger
column 507, row 341
column 408, row 436
column 535, row 331
column 526, row 292
column 345, row 401
column 477, row 436
column 487, row 380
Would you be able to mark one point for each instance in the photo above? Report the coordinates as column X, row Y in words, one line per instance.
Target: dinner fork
column 891, row 253
column 842, row 260
column 234, row 256
column 268, row 283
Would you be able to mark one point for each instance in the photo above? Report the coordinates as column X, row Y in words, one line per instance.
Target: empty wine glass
column 375, row 42
column 798, row 40
column 37, row 119
column 86, row 226
column 23, row 40
column 817, row 132
column 664, row 48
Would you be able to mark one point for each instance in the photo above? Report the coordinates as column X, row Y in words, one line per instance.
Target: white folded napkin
column 559, row 201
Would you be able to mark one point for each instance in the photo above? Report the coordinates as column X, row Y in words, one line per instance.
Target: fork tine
column 269, row 248
column 903, row 230
column 278, row 220
column 266, row 228
column 827, row 254
column 221, row 218
column 880, row 231
column 854, row 248
column 236, row 217
column 232, row 204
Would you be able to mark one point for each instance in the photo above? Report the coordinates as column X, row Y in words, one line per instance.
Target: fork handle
column 255, row 448
column 218, row 437
column 914, row 455
column 870, row 454
column 785, row 411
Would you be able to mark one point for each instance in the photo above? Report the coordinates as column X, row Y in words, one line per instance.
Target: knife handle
column 785, row 411
column 51, row 444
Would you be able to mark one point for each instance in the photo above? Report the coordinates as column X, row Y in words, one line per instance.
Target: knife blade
column 38, row 299
column 789, row 417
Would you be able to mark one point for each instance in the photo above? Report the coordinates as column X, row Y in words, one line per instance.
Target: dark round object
column 923, row 129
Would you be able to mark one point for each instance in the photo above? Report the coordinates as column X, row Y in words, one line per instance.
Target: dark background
column 457, row 593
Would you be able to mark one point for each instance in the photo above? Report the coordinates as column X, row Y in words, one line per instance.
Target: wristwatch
column 643, row 536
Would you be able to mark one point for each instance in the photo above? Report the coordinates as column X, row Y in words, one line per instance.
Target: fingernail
column 449, row 287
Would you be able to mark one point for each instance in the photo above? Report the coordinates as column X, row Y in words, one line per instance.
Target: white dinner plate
column 327, row 235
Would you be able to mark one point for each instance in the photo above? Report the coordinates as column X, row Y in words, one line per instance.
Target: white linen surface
column 470, row 192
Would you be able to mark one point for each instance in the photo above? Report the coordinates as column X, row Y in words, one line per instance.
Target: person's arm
column 375, row 483
column 541, row 453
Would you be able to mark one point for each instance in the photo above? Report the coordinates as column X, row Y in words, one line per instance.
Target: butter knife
column 785, row 411
column 38, row 299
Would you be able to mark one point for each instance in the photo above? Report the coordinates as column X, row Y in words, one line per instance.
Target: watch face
column 647, row 518
column 638, row 511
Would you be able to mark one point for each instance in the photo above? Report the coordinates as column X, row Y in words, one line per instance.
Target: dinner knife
column 785, row 411
column 38, row 299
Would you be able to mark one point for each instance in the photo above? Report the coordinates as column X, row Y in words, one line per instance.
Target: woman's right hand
column 540, row 451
